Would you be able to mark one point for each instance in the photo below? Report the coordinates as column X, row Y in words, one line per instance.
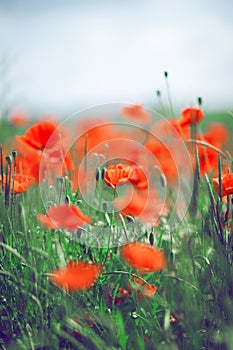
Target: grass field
column 72, row 274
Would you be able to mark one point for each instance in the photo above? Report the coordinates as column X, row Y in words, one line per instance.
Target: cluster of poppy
column 49, row 138
column 80, row 275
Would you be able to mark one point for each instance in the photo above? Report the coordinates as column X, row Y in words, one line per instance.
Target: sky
column 60, row 55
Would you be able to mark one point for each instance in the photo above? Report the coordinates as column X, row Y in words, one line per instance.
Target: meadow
column 116, row 230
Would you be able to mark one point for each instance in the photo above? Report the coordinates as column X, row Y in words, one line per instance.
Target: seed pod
column 151, row 238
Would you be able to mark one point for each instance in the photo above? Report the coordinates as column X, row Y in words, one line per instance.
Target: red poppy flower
column 75, row 276
column 167, row 128
column 63, row 216
column 18, row 118
column 42, row 136
column 19, row 183
column 118, row 175
column 227, row 185
column 208, row 159
column 139, row 178
column 190, row 115
column 145, row 205
column 31, row 162
column 216, row 134
column 137, row 113
column 143, row 257
column 147, row 291
column 143, row 290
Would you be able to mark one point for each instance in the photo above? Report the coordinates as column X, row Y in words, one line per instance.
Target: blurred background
column 58, row 56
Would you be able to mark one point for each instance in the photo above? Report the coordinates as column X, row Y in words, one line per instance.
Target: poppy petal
column 63, row 216
column 76, row 275
column 143, row 257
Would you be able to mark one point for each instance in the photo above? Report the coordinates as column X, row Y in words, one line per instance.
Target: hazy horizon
column 66, row 55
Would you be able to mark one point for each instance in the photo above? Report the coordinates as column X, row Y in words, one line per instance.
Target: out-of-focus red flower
column 190, row 115
column 18, row 118
column 43, row 135
column 166, row 129
column 143, row 257
column 92, row 133
column 227, row 185
column 208, row 159
column 114, row 140
column 145, row 205
column 216, row 134
column 166, row 143
column 119, row 174
column 144, row 291
column 136, row 113
column 31, row 162
column 147, row 291
column 63, row 216
column 57, row 162
column 76, row 276
column 19, row 183
column 139, row 178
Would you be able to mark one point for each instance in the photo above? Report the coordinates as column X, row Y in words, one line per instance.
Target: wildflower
column 190, row 115
column 119, row 174
column 145, row 205
column 137, row 113
column 76, row 276
column 94, row 133
column 143, row 257
column 144, row 291
column 217, row 134
column 227, row 184
column 147, row 291
column 18, row 118
column 18, row 183
column 63, row 216
column 55, row 162
column 40, row 136
column 208, row 159
column 169, row 128
column 139, row 178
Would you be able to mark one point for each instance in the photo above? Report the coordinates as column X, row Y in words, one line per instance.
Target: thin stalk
column 126, row 273
column 220, row 177
column 158, row 93
column 206, row 144
column 1, row 168
column 169, row 94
